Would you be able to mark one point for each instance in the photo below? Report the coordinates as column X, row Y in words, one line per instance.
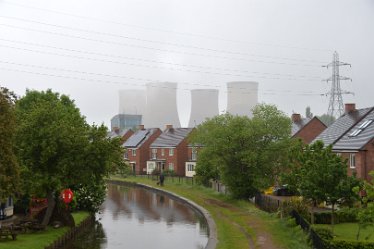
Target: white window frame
column 352, row 160
column 190, row 167
column 171, row 166
column 171, row 152
column 133, row 152
column 154, row 154
column 162, row 152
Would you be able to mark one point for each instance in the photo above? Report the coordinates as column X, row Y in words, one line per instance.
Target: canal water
column 136, row 218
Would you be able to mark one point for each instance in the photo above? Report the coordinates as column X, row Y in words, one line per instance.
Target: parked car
column 283, row 191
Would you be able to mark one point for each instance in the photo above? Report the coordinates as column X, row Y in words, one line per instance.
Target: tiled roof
column 351, row 142
column 341, row 126
column 139, row 137
column 296, row 126
column 114, row 134
column 171, row 137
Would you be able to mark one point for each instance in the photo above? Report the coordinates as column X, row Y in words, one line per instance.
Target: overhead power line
column 152, row 48
column 290, row 76
column 163, row 30
column 159, row 42
column 270, row 92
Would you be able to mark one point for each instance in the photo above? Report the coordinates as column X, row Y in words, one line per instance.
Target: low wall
column 212, row 240
column 72, row 233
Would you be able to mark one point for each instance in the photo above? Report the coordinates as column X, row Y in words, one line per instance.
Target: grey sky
column 280, row 44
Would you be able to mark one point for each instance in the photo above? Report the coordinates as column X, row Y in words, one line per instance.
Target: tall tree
column 308, row 113
column 9, row 170
column 245, row 153
column 327, row 119
column 57, row 148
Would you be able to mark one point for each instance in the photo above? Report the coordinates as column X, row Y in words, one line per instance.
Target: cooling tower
column 131, row 101
column 242, row 96
column 204, row 104
column 161, row 107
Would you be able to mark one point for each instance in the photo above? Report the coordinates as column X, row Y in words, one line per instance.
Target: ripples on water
column 135, row 218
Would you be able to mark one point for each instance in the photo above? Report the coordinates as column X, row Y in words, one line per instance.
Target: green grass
column 348, row 231
column 239, row 223
column 41, row 239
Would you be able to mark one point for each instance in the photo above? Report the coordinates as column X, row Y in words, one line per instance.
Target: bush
column 324, row 233
column 291, row 222
column 296, row 204
column 341, row 216
column 342, row 244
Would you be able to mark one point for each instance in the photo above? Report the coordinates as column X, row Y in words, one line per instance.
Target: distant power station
column 156, row 106
column 204, row 104
column 242, row 96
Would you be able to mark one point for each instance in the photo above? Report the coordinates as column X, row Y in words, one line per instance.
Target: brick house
column 352, row 136
column 137, row 148
column 192, row 151
column 170, row 151
column 307, row 129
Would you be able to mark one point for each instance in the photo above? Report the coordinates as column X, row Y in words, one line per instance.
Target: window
column 162, row 152
column 194, row 154
column 126, row 156
column 361, row 128
column 154, row 154
column 133, row 152
column 339, row 154
column 171, row 166
column 352, row 161
column 190, row 167
column 171, row 152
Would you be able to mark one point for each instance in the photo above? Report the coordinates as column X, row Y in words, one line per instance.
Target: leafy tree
column 308, row 113
column 327, row 119
column 244, row 153
column 366, row 212
column 323, row 176
column 9, row 170
column 58, row 149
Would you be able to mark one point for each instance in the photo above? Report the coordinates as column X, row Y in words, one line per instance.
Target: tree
column 244, row 153
column 58, row 149
column 323, row 176
column 308, row 114
column 9, row 169
column 327, row 119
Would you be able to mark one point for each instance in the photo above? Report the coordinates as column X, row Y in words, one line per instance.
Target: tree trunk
column 50, row 208
column 312, row 213
column 332, row 217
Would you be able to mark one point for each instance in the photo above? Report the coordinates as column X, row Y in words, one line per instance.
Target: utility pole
column 336, row 108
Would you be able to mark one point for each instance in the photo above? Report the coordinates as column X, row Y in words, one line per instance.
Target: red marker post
column 67, row 196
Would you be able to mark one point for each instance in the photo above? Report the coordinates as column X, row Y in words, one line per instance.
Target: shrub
column 324, row 233
column 296, row 204
column 343, row 244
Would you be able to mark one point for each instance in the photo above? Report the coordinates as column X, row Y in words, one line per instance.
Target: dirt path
column 244, row 220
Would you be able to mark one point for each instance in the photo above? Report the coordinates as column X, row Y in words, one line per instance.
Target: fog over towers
column 157, row 104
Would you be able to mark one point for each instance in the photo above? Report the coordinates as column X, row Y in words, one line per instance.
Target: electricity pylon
column 336, row 108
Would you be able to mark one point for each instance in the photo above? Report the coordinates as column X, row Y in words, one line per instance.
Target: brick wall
column 310, row 131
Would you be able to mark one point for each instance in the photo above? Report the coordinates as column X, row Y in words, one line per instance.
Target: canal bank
column 212, row 230
column 239, row 223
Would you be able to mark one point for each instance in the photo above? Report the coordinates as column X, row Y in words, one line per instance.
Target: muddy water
column 135, row 218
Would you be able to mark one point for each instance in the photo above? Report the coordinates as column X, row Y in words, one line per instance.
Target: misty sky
column 90, row 49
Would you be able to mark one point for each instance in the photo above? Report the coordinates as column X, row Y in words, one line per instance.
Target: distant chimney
column 141, row 127
column 350, row 107
column 169, row 126
column 296, row 117
column 116, row 130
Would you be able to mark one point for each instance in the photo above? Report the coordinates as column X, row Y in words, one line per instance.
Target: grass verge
column 41, row 239
column 348, row 231
column 239, row 223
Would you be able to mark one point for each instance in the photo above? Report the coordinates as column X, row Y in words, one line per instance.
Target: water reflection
column 136, row 218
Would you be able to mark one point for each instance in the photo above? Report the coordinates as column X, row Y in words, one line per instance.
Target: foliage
column 9, row 169
column 344, row 244
column 327, row 119
column 366, row 213
column 58, row 149
column 324, row 233
column 341, row 216
column 295, row 203
column 245, row 154
column 90, row 196
column 308, row 113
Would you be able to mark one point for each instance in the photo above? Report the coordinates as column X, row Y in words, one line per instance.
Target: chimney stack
column 296, row 117
column 350, row 107
column 169, row 126
column 141, row 127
